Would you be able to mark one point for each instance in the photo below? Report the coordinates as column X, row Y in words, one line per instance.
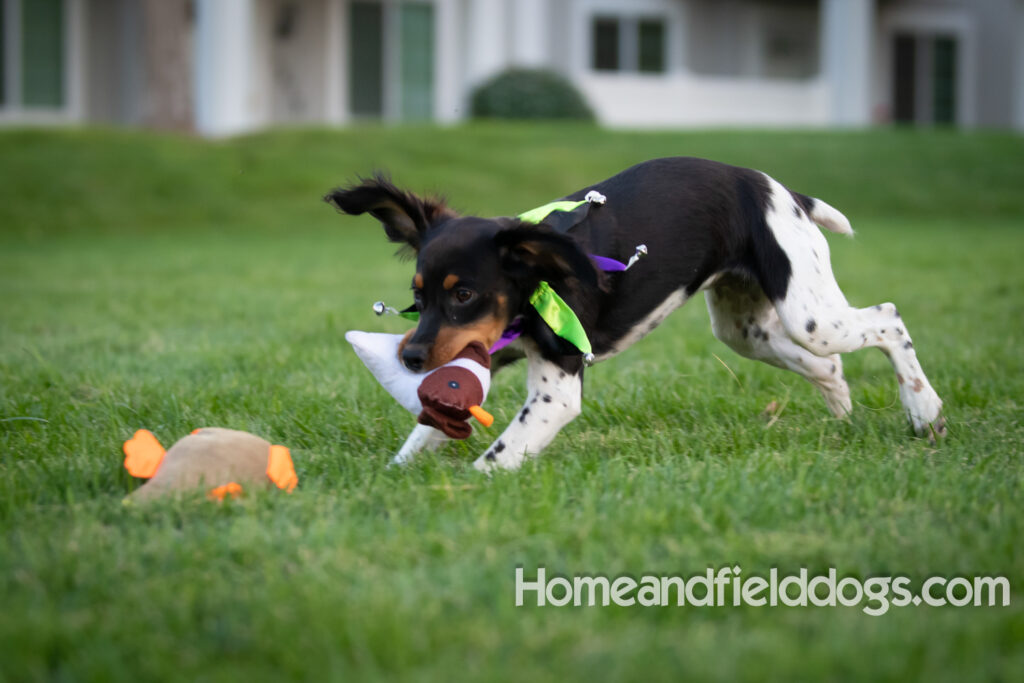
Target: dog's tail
column 826, row 216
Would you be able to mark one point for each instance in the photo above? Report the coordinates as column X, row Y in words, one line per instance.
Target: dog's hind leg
column 554, row 398
column 746, row 321
column 827, row 329
column 816, row 315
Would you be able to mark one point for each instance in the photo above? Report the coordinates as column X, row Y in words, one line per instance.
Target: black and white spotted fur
column 753, row 246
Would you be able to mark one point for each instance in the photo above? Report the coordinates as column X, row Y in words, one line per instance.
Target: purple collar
column 511, row 333
column 515, row 328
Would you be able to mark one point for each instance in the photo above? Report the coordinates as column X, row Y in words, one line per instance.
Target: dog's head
column 473, row 275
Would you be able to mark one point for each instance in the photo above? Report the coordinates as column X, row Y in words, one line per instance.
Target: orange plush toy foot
column 223, row 461
column 143, row 454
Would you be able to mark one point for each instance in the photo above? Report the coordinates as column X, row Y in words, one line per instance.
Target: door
column 391, row 60
column 925, row 87
column 42, row 53
column 417, row 61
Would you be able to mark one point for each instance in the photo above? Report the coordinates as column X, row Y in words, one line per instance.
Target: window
column 651, row 46
column 628, row 44
column 790, row 51
column 606, row 44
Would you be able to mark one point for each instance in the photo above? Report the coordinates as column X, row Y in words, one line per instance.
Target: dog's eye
column 463, row 295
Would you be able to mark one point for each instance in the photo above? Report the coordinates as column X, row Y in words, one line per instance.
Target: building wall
column 114, row 64
column 295, row 37
column 997, row 40
column 727, row 62
column 724, row 65
column 1018, row 77
column 753, row 39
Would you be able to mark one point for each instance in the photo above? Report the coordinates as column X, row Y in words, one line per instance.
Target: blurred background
column 170, row 281
column 221, row 67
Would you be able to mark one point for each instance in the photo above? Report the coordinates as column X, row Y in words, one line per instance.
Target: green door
column 366, row 58
column 42, row 53
column 3, row 58
column 416, row 47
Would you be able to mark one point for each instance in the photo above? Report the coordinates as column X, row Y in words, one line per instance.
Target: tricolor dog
column 752, row 245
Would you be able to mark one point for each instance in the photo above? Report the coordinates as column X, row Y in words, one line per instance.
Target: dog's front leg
column 423, row 437
column 553, row 398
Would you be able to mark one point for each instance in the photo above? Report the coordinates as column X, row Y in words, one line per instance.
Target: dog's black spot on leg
column 883, row 330
column 899, row 331
column 824, row 343
column 815, row 253
column 908, row 345
column 543, row 378
column 837, row 325
column 796, row 211
column 833, row 370
column 499, row 447
column 547, row 399
column 895, row 313
column 489, row 456
column 522, row 415
column 811, row 325
column 533, row 400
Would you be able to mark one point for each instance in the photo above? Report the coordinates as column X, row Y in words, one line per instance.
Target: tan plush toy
column 223, row 461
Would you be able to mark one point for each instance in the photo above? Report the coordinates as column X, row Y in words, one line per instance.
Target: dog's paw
column 928, row 421
column 481, row 464
column 936, row 430
column 923, row 408
column 399, row 460
column 491, row 461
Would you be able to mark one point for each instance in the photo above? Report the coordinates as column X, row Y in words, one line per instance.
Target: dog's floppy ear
column 405, row 216
column 535, row 252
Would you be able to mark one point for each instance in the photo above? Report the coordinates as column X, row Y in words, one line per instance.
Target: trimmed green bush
column 529, row 94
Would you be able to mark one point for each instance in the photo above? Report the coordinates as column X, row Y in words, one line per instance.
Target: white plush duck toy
column 443, row 399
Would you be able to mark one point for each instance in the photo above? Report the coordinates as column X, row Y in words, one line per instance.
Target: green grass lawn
column 172, row 283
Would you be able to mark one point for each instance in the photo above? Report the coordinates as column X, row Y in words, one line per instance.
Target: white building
column 248, row 64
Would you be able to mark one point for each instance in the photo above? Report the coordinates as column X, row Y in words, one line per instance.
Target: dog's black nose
column 414, row 356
